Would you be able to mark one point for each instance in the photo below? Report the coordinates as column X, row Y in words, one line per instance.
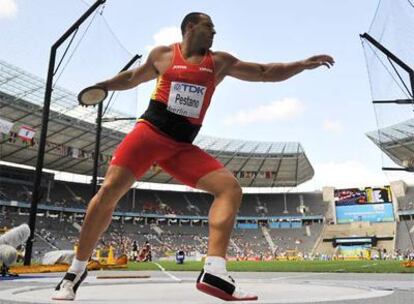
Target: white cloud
column 165, row 36
column 333, row 126
column 8, row 8
column 285, row 109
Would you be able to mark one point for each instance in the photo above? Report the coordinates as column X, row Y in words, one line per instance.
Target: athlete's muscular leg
column 117, row 182
column 227, row 199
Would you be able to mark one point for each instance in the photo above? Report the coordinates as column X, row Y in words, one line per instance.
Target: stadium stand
column 396, row 141
column 66, row 194
column 296, row 238
column 357, row 229
column 249, row 243
column 407, row 202
column 76, row 195
column 271, row 224
column 276, row 205
column 405, row 236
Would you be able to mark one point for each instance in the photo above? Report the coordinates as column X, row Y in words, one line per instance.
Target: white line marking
column 297, row 276
column 167, row 273
column 369, row 265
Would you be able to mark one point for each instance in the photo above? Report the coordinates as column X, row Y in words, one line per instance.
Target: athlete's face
column 204, row 31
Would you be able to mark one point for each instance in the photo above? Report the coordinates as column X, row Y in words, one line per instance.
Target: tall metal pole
column 97, row 148
column 45, row 120
column 99, row 131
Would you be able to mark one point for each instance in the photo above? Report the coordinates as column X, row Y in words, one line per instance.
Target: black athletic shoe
column 66, row 289
column 222, row 286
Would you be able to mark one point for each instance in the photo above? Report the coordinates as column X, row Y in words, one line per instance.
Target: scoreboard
column 364, row 205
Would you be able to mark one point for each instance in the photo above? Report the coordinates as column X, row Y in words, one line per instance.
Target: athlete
column 187, row 74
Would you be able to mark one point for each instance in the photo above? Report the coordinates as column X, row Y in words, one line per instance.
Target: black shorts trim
column 176, row 126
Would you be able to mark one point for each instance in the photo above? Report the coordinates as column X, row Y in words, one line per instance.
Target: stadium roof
column 397, row 141
column 71, row 138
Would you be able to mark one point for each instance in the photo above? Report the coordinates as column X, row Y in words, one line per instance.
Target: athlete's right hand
column 317, row 61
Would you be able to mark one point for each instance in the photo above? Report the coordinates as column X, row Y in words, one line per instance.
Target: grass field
column 287, row 266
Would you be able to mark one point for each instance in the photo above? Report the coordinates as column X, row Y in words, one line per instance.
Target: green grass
column 287, row 266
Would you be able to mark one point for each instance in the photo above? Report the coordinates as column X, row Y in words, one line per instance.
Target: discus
column 92, row 95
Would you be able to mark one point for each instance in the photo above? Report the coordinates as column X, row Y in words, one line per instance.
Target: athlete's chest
column 200, row 73
column 175, row 66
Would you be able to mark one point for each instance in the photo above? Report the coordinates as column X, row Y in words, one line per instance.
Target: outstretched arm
column 131, row 78
column 271, row 72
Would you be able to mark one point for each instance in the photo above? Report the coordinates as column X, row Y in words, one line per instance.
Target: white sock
column 77, row 266
column 215, row 265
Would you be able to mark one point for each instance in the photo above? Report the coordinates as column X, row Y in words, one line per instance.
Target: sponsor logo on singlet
column 204, row 69
column 186, row 99
column 179, row 67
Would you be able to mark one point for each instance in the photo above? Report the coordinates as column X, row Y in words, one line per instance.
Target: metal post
column 97, row 148
column 99, row 131
column 285, row 210
column 45, row 120
column 133, row 198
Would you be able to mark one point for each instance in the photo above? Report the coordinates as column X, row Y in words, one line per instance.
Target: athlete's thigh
column 190, row 164
column 218, row 181
column 139, row 150
column 117, row 182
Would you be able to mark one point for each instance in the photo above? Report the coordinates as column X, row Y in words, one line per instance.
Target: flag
column 75, row 152
column 5, row 126
column 26, row 133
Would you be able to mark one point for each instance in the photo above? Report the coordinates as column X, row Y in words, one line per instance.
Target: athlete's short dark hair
column 193, row 17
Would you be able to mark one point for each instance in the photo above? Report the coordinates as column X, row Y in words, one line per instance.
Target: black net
column 390, row 64
column 393, row 28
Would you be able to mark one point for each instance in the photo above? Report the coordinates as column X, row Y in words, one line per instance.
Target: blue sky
column 327, row 111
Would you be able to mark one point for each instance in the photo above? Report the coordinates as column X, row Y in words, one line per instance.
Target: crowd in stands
column 165, row 238
column 76, row 195
column 246, row 244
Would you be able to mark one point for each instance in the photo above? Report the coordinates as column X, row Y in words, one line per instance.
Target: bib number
column 186, row 99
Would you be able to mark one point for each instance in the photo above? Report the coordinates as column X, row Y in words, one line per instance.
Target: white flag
column 5, row 126
column 75, row 152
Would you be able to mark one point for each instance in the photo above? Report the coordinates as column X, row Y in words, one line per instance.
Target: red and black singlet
column 182, row 96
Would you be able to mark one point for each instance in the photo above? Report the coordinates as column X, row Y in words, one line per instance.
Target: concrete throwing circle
column 185, row 293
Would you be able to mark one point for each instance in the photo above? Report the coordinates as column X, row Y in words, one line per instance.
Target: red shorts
column 145, row 145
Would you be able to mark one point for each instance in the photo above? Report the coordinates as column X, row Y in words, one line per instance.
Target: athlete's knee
column 236, row 192
column 231, row 190
column 109, row 193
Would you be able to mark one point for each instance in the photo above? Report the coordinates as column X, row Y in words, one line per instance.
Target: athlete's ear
column 189, row 27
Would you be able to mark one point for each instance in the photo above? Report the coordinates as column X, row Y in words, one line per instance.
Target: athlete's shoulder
column 223, row 60
column 160, row 56
column 224, row 57
column 161, row 50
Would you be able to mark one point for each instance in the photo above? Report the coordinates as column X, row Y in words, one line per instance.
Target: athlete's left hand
column 317, row 61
